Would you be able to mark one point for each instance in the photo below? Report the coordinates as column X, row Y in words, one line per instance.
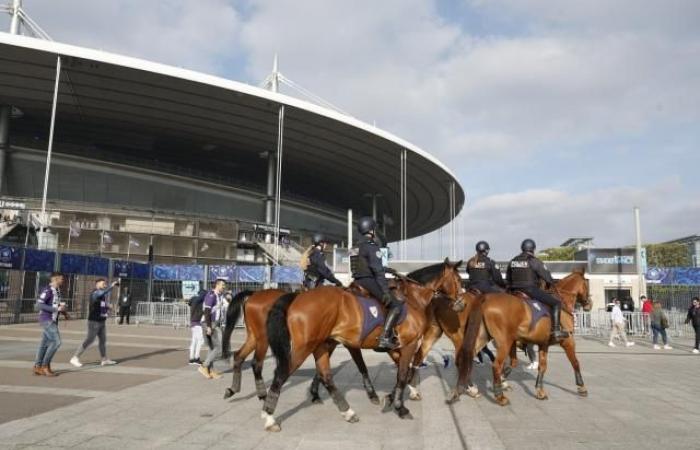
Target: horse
column 506, row 319
column 307, row 323
column 256, row 307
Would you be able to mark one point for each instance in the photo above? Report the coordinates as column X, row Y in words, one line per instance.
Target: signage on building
column 189, row 288
column 612, row 260
column 11, row 204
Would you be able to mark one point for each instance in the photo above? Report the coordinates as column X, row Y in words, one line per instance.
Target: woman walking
column 659, row 323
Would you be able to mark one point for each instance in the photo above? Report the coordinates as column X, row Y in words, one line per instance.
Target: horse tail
column 233, row 313
column 471, row 334
column 278, row 334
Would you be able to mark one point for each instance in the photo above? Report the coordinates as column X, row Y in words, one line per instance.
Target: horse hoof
column 506, row 386
column 386, row 403
column 473, row 392
column 229, row 393
column 404, row 413
column 316, row 400
column 350, row 416
column 541, row 395
column 502, row 400
column 415, row 396
column 453, row 398
column 374, row 399
column 262, row 397
column 582, row 391
column 274, row 428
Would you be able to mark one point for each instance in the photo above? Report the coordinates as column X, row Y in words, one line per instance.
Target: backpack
column 196, row 304
column 305, row 261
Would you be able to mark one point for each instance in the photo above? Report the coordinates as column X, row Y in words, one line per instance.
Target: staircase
column 288, row 255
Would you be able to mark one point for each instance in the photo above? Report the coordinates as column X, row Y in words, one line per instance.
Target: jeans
column 214, row 353
column 50, row 342
column 697, row 337
column 95, row 329
column 658, row 330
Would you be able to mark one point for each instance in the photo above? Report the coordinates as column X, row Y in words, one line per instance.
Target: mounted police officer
column 317, row 271
column 482, row 270
column 524, row 273
column 369, row 273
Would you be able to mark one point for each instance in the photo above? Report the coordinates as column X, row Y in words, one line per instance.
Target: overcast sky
column 557, row 116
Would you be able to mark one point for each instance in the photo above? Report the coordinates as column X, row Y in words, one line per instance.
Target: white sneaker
column 656, row 347
column 610, row 344
column 76, row 362
column 668, row 347
column 629, row 344
column 696, row 351
column 107, row 362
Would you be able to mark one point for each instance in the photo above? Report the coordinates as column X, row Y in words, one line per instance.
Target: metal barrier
column 155, row 313
column 598, row 323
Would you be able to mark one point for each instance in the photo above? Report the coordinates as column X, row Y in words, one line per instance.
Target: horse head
column 574, row 289
column 449, row 284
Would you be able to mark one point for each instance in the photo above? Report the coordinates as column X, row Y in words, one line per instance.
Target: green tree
column 557, row 254
column 668, row 255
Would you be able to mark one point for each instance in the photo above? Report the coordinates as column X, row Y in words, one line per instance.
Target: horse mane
column 427, row 274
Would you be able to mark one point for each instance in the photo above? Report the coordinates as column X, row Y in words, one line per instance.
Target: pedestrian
column 659, row 323
column 532, row 356
column 694, row 319
column 124, row 305
column 618, row 324
column 214, row 319
column 196, row 313
column 50, row 307
column 484, row 351
column 647, row 307
column 97, row 325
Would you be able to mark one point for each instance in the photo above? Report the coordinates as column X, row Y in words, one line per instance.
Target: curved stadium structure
column 145, row 152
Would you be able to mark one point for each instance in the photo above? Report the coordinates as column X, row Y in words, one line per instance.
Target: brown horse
column 256, row 306
column 299, row 325
column 506, row 319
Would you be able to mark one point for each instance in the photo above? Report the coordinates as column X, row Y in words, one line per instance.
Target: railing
column 155, row 313
column 598, row 323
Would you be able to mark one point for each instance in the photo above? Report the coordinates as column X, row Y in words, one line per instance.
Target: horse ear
column 581, row 270
column 458, row 263
column 447, row 260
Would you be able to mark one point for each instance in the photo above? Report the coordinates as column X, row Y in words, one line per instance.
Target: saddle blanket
column 373, row 315
column 539, row 310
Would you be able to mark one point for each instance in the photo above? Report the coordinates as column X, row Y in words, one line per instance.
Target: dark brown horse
column 256, row 306
column 506, row 319
column 310, row 322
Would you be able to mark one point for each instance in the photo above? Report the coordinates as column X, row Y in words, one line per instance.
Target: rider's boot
column 557, row 333
column 387, row 341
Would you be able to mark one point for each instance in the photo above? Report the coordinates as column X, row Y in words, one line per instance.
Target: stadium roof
column 113, row 106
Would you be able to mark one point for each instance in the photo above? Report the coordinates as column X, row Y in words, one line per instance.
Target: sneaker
column 214, row 375
column 198, row 362
column 696, row 351
column 629, row 344
column 668, row 347
column 205, row 372
column 423, row 365
column 107, row 362
column 656, row 347
column 610, row 344
column 192, row 362
column 76, row 362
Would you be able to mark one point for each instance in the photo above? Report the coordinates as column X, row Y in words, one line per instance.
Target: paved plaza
column 639, row 398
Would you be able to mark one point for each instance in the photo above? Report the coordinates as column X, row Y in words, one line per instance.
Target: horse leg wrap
column 579, row 378
column 260, row 387
column 506, row 371
column 236, row 382
column 415, row 380
column 340, row 401
column 271, row 402
column 498, row 389
column 367, row 383
column 539, row 383
column 398, row 398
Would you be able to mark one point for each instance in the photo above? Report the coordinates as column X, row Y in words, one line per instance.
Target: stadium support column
column 638, row 233
column 404, row 203
column 349, row 229
column 4, row 140
column 271, row 158
column 278, row 197
column 50, row 146
column 16, row 18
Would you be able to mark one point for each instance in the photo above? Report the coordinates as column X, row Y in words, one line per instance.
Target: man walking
column 618, row 324
column 97, row 326
column 50, row 307
column 124, row 306
column 214, row 317
column 693, row 318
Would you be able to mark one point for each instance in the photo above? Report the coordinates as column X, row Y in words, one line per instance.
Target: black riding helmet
column 318, row 239
column 528, row 246
column 366, row 225
column 482, row 247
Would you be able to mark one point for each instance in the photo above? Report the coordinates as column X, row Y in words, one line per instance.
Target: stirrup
column 560, row 334
column 386, row 344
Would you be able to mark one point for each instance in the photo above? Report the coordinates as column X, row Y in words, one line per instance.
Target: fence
column 598, row 323
column 674, row 295
column 154, row 313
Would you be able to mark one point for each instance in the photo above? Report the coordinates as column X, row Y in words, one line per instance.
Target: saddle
column 538, row 309
column 373, row 312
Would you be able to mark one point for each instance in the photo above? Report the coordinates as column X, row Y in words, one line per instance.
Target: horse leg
column 238, row 359
column 356, row 354
column 540, row 393
column 322, row 354
column 502, row 351
column 509, row 369
column 429, row 338
column 316, row 382
column 405, row 357
column 258, row 361
column 569, row 346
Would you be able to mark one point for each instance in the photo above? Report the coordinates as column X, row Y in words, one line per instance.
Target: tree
column 557, row 254
column 668, row 255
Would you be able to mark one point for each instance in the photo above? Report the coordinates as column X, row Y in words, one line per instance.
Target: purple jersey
column 47, row 304
column 212, row 301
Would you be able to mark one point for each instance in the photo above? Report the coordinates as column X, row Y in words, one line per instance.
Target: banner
column 287, row 274
column 687, row 276
column 97, row 266
column 221, row 272
column 10, row 257
column 251, row 274
column 73, row 263
column 39, row 260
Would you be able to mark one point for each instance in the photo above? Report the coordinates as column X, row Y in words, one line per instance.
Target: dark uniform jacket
column 483, row 270
column 369, row 263
column 525, row 271
column 317, row 266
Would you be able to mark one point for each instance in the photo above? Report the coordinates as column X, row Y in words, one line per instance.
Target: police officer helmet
column 366, row 225
column 528, row 246
column 482, row 247
column 318, row 239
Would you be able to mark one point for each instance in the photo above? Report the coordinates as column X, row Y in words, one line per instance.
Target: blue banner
column 121, row 269
column 223, row 272
column 251, row 274
column 287, row 274
column 165, row 272
column 97, row 266
column 39, row 260
column 689, row 276
column 73, row 263
column 191, row 273
column 140, row 271
column 10, row 257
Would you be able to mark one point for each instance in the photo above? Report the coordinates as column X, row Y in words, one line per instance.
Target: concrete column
column 4, row 140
